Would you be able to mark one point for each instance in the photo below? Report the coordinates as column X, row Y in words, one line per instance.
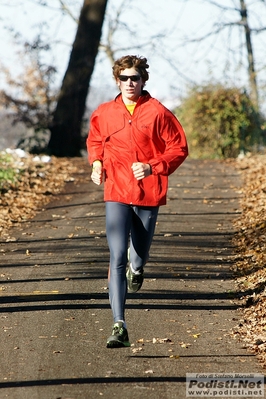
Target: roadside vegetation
column 27, row 183
column 221, row 122
column 250, row 260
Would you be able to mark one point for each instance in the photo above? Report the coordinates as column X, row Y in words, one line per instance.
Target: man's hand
column 141, row 170
column 97, row 172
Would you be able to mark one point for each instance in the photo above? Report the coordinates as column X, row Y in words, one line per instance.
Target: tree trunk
column 65, row 140
column 251, row 65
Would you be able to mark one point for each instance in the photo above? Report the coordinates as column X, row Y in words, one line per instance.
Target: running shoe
column 119, row 337
column 134, row 280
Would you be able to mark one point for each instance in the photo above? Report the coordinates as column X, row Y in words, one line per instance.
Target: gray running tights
column 127, row 225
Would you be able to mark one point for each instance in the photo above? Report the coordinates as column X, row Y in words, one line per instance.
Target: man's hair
column 131, row 61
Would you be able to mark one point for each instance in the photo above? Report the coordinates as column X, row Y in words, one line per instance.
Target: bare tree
column 116, row 28
column 251, row 63
column 243, row 23
column 66, row 126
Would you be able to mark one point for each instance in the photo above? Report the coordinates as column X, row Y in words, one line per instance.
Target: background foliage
column 30, row 98
column 220, row 122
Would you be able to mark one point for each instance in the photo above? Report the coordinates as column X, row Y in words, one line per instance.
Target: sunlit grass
column 8, row 171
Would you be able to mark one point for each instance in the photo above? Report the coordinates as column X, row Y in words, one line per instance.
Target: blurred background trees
column 31, row 98
column 220, row 118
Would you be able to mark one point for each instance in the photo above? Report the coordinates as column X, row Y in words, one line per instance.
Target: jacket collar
column 145, row 96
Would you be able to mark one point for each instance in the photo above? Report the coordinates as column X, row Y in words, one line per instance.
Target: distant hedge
column 219, row 122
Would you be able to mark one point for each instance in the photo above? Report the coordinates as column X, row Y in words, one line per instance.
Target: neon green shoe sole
column 119, row 337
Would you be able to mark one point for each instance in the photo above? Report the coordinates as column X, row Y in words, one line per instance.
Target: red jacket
column 151, row 135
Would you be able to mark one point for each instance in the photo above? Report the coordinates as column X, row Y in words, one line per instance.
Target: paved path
column 55, row 315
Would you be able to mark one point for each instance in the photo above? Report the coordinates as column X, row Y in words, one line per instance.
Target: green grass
column 8, row 171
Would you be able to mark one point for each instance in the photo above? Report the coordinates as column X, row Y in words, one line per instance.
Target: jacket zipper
column 132, row 152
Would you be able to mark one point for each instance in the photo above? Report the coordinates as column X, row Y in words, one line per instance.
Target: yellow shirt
column 130, row 108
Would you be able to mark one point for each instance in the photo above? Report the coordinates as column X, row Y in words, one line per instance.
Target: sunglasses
column 133, row 78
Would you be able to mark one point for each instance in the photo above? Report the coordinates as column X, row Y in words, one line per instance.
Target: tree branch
column 67, row 10
column 215, row 32
column 221, row 6
column 259, row 30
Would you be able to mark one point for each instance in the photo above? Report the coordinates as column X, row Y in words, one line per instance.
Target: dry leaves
column 37, row 180
column 250, row 262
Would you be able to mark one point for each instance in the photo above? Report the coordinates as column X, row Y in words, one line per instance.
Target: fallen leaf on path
column 136, row 350
column 161, row 340
column 196, row 335
column 184, row 345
